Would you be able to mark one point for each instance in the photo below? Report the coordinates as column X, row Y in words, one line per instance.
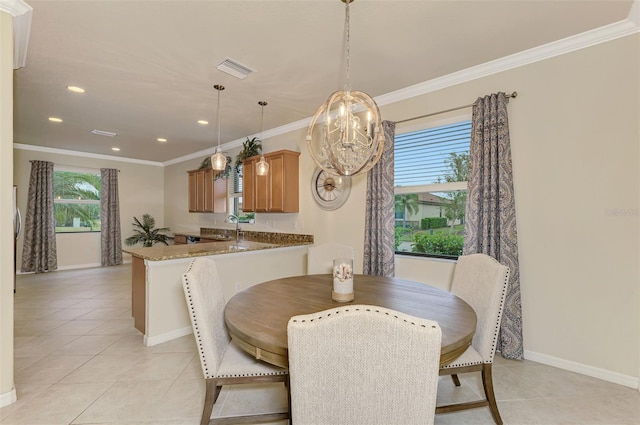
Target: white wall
column 140, row 190
column 574, row 134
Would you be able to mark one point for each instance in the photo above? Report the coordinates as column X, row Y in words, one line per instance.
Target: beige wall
column 139, row 186
column 574, row 132
column 7, row 393
column 574, row 137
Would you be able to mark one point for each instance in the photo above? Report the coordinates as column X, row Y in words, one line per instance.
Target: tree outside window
column 432, row 168
column 76, row 201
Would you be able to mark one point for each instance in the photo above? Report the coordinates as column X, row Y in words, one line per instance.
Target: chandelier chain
column 348, row 45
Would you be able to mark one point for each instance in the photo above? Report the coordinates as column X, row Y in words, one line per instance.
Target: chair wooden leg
column 455, row 380
column 487, row 383
column 287, row 384
column 210, row 397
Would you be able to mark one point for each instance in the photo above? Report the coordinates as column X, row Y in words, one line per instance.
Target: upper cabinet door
column 278, row 191
column 206, row 193
column 248, row 186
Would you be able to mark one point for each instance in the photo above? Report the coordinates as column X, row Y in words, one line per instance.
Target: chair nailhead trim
column 196, row 327
column 356, row 309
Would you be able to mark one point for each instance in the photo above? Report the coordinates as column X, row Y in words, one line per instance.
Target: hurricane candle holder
column 342, row 280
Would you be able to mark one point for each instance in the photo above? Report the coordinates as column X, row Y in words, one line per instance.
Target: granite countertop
column 254, row 241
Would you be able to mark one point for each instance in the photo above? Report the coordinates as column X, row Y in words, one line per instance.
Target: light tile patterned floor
column 78, row 360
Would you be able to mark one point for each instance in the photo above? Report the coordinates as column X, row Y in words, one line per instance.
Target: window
column 235, row 198
column 431, row 167
column 76, row 200
column 235, row 192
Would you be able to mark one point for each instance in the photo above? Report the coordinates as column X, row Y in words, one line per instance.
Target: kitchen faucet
column 229, row 220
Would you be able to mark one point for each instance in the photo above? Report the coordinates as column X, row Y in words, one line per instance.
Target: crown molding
column 283, row 129
column 21, row 13
column 14, row 7
column 84, row 154
column 526, row 57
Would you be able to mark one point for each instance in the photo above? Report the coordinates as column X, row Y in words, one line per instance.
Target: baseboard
column 159, row 339
column 79, row 266
column 605, row 375
column 8, row 398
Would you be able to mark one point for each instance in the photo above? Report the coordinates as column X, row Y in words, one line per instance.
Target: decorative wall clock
column 330, row 192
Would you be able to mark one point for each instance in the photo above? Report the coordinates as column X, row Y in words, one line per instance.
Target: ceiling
column 148, row 67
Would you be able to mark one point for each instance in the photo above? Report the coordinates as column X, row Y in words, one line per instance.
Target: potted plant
column 145, row 232
column 250, row 147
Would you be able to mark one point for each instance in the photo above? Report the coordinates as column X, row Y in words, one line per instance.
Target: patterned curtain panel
column 379, row 238
column 39, row 247
column 110, row 239
column 491, row 214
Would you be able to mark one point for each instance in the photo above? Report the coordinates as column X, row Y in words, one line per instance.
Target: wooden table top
column 257, row 317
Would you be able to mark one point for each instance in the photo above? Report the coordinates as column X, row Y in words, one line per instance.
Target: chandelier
column 262, row 166
column 218, row 159
column 345, row 136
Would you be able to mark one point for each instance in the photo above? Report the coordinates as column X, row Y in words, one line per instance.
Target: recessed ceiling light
column 160, row 139
column 54, row 119
column 115, row 149
column 203, row 122
column 75, row 89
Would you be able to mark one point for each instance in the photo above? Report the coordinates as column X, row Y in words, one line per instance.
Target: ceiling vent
column 235, row 68
column 104, row 133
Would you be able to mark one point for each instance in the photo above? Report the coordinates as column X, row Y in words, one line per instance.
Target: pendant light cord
column 262, row 118
column 218, row 118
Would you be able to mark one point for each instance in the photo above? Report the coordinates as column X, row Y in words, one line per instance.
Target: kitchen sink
column 222, row 237
column 237, row 248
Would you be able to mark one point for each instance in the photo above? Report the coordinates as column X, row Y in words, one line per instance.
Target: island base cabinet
column 158, row 300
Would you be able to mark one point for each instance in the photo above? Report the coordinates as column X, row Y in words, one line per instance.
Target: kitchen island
column 157, row 302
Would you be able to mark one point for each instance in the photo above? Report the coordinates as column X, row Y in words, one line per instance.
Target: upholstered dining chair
column 482, row 282
column 363, row 364
column 320, row 257
column 223, row 363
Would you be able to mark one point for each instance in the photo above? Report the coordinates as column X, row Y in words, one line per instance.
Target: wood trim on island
column 138, row 293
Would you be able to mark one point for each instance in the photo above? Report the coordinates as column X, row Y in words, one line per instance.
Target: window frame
column 69, row 201
column 425, row 124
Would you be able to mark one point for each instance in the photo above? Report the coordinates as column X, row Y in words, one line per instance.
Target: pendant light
column 218, row 159
column 345, row 136
column 262, row 166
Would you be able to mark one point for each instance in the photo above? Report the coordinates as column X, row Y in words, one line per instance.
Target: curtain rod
column 512, row 95
column 67, row 165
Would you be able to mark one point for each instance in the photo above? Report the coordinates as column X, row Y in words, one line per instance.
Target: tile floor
column 78, row 360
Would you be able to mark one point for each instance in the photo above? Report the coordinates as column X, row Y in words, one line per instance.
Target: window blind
column 420, row 156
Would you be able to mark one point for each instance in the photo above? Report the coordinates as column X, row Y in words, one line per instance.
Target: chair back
column 320, row 258
column 482, row 282
column 205, row 303
column 363, row 364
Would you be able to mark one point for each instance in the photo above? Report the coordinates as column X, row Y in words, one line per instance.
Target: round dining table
column 257, row 317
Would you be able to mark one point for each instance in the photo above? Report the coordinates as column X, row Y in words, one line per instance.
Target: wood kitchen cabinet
column 278, row 191
column 206, row 194
column 179, row 239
